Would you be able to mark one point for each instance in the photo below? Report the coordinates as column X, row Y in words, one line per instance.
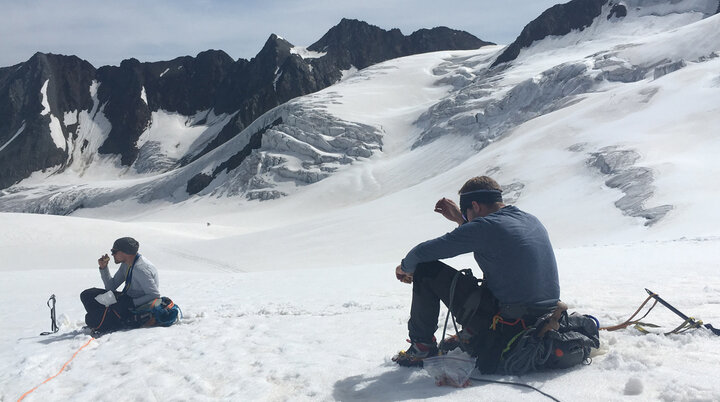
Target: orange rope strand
column 630, row 321
column 103, row 319
column 58, row 373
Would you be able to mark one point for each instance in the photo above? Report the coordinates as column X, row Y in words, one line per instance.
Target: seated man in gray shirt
column 109, row 310
column 514, row 253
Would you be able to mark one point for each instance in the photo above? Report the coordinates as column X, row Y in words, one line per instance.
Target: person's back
column 516, row 257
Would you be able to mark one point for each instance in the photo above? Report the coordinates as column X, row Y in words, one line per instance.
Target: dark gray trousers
column 431, row 284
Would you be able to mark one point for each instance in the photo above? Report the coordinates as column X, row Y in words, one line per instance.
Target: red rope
column 499, row 320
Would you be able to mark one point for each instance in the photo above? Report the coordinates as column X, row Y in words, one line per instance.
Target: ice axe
column 687, row 319
column 53, row 324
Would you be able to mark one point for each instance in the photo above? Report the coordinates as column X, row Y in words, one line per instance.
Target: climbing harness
column 97, row 329
column 688, row 323
column 128, row 275
column 53, row 323
column 109, row 308
column 449, row 314
column 497, row 319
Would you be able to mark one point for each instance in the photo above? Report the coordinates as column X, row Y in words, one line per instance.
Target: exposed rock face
column 129, row 94
column 201, row 180
column 341, row 43
column 618, row 10
column 559, row 20
column 295, row 144
column 26, row 143
column 634, row 181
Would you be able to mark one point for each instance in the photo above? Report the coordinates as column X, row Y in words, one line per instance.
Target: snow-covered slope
column 608, row 135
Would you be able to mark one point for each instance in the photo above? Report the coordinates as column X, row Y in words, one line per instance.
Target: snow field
column 328, row 334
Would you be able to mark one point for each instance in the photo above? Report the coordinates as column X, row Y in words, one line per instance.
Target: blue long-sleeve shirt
column 512, row 249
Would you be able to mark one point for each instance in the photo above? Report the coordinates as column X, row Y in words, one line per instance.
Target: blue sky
column 106, row 32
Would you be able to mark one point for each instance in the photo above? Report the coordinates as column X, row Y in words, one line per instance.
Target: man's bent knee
column 428, row 270
column 89, row 294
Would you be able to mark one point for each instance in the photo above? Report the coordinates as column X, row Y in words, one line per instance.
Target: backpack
column 551, row 344
column 160, row 312
column 572, row 343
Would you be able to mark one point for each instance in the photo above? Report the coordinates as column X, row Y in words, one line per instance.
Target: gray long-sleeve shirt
column 512, row 249
column 144, row 283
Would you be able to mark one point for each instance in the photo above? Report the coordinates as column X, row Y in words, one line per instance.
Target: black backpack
column 551, row 344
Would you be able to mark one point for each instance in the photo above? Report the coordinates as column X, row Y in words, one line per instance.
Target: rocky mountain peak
column 354, row 43
column 127, row 97
column 275, row 46
column 213, row 56
column 558, row 20
column 353, row 32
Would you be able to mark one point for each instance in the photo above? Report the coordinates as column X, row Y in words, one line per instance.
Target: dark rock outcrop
column 128, row 94
column 558, row 20
column 356, row 43
column 125, row 108
column 198, row 182
column 618, row 10
column 26, row 144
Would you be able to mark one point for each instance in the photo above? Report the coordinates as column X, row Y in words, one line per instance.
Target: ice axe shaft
column 53, row 323
column 679, row 313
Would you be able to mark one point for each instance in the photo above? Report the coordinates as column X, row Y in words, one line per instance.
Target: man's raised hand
column 449, row 210
column 103, row 261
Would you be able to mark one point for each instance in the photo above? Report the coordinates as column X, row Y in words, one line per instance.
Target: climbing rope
column 630, row 320
column 688, row 323
column 518, row 384
column 61, row 370
column 449, row 314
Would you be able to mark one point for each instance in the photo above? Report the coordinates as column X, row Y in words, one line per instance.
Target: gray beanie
column 127, row 245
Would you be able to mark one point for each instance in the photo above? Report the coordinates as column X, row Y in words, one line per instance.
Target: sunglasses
column 464, row 206
column 113, row 251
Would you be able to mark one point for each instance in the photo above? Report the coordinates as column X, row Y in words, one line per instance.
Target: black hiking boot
column 416, row 353
column 461, row 340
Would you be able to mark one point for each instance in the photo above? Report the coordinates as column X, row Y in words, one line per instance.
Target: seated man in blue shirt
column 520, row 278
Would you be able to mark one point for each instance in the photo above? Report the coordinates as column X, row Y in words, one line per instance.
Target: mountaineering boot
column 416, row 353
column 461, row 339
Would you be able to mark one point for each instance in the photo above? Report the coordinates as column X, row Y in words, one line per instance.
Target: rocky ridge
column 205, row 91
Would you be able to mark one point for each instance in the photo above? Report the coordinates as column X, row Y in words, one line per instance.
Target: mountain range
column 213, row 127
column 59, row 112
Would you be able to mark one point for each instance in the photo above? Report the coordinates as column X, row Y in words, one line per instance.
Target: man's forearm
column 449, row 245
column 107, row 279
